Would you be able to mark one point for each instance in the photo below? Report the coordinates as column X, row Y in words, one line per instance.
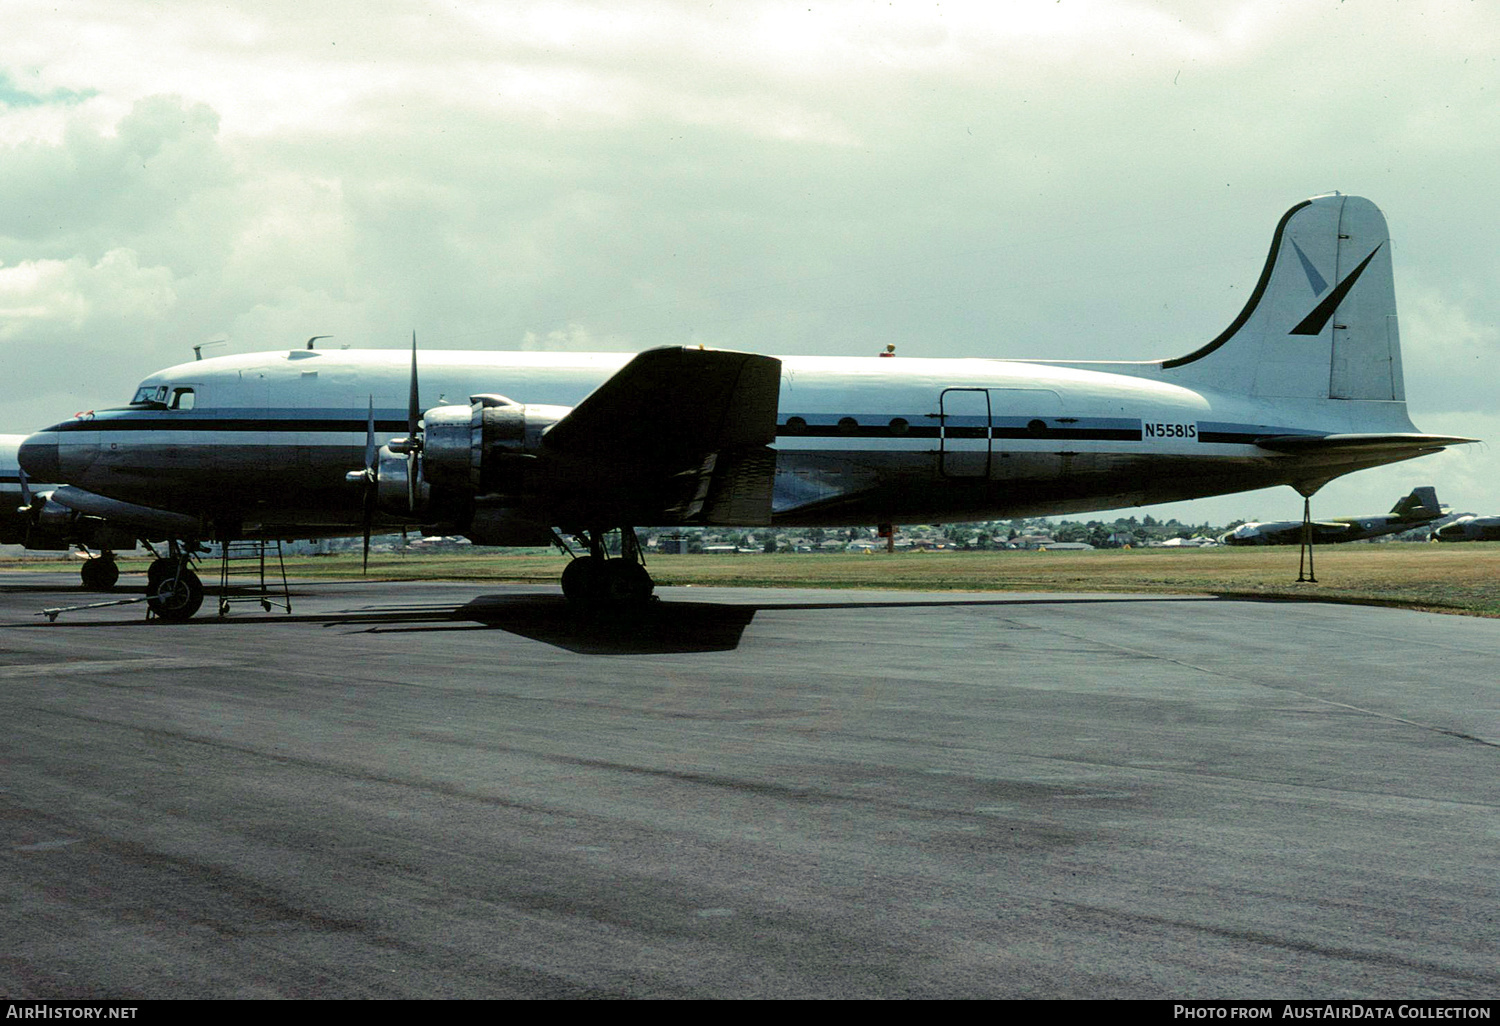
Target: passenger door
column 964, row 432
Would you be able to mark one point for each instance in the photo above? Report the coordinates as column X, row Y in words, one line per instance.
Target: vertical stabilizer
column 1422, row 503
column 1321, row 322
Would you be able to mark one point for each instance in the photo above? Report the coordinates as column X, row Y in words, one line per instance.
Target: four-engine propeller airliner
column 1305, row 385
column 29, row 516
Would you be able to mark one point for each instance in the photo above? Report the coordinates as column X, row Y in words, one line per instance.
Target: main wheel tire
column 626, row 583
column 176, row 597
column 99, row 574
column 582, row 582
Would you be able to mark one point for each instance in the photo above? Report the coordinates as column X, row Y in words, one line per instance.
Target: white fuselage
column 264, row 441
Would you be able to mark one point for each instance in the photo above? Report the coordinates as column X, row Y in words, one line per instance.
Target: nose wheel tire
column 99, row 574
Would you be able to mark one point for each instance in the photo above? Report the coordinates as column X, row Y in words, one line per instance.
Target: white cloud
column 74, row 295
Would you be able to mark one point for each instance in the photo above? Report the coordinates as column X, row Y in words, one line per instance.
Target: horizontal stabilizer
column 1359, row 444
column 667, row 408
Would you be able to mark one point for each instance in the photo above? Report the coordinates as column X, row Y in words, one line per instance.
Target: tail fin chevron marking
column 1314, row 322
column 1315, row 280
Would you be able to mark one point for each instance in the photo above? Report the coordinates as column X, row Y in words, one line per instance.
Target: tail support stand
column 1305, row 557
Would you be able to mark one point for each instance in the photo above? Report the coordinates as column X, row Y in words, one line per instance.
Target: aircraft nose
column 38, row 457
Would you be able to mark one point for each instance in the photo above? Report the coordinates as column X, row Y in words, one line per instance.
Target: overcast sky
column 1076, row 179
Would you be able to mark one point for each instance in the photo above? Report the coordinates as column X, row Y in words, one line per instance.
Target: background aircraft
column 29, row 517
column 1469, row 528
column 1420, row 507
column 1304, row 386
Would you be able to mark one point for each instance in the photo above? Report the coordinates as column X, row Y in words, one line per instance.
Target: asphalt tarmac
column 461, row 790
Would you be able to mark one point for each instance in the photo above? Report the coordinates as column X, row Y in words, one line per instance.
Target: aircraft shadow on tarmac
column 662, row 627
column 659, row 628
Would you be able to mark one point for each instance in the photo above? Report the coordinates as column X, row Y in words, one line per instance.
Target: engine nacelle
column 477, row 449
column 392, row 493
column 493, row 525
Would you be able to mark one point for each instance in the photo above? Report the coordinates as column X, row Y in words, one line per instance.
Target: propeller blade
column 25, row 488
column 413, row 414
column 369, row 520
column 372, row 478
column 413, row 404
column 370, row 440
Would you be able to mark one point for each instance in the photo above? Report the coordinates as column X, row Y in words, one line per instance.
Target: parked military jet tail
column 1420, row 505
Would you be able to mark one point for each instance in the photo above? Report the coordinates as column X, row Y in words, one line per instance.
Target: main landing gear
column 173, row 591
column 600, row 582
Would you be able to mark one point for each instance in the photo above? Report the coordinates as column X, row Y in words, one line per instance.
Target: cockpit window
column 182, row 399
column 150, row 395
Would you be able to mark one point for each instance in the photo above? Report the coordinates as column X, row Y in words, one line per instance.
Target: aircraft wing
column 690, row 426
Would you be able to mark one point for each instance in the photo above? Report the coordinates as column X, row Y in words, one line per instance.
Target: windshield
column 150, row 395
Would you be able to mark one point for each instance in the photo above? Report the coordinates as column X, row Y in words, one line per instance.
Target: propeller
column 413, row 443
column 25, row 488
column 410, row 446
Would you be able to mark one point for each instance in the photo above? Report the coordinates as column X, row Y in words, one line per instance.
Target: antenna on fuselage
column 198, row 349
column 315, row 338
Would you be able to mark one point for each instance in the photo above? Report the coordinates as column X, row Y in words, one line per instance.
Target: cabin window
column 796, row 426
column 848, row 425
column 899, row 426
column 182, row 399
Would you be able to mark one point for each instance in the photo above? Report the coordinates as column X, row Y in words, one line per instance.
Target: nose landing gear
column 100, row 573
